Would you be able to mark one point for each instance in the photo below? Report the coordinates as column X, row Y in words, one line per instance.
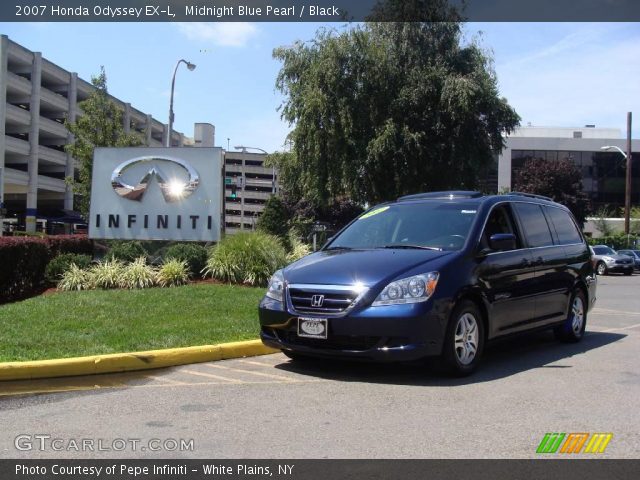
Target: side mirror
column 502, row 241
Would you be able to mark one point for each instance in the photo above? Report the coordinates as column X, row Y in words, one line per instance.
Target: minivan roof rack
column 450, row 194
column 531, row 195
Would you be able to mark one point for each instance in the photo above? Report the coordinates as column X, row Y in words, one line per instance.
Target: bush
column 59, row 244
column 617, row 241
column 126, row 251
column 173, row 272
column 138, row 275
column 249, row 258
column 76, row 278
column 22, row 264
column 193, row 254
column 299, row 249
column 60, row 264
column 108, row 274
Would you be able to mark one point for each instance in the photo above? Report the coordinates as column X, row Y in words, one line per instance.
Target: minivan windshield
column 417, row 225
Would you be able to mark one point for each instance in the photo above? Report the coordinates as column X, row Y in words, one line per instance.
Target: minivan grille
column 320, row 301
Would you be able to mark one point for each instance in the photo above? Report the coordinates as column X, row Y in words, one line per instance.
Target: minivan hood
column 348, row 267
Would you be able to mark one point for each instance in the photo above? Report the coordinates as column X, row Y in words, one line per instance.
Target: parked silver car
column 635, row 254
column 606, row 260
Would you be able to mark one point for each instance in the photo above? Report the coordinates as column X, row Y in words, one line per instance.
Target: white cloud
column 223, row 34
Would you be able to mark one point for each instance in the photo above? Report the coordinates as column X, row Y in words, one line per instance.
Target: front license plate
column 312, row 327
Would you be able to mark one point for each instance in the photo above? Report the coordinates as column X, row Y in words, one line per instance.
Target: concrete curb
column 124, row 362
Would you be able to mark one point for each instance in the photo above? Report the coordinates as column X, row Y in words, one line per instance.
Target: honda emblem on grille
column 317, row 301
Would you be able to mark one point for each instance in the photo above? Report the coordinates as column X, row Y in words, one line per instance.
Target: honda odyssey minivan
column 434, row 274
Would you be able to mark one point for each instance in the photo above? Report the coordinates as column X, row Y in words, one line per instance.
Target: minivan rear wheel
column 572, row 330
column 464, row 340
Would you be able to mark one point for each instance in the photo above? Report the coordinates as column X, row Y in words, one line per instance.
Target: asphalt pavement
column 269, row 407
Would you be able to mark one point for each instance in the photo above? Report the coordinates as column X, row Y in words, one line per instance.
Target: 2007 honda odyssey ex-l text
column 434, row 274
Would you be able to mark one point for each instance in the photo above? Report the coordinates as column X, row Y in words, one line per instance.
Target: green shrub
column 127, row 251
column 108, row 274
column 76, row 278
column 249, row 258
column 22, row 264
column 193, row 254
column 138, row 274
column 299, row 249
column 60, row 264
column 617, row 241
column 172, row 273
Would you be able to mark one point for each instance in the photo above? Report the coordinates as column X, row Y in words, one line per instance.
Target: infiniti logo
column 172, row 188
column 317, row 301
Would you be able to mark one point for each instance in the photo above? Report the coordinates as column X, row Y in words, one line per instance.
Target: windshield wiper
column 338, row 248
column 415, row 247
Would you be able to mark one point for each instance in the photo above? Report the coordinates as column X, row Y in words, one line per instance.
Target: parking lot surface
column 269, row 407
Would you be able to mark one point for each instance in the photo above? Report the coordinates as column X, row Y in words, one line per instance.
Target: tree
column 600, row 221
column 559, row 179
column 387, row 109
column 275, row 218
column 100, row 125
column 289, row 172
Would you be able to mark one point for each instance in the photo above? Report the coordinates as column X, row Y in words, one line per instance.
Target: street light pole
column 627, row 197
column 627, row 192
column 191, row 68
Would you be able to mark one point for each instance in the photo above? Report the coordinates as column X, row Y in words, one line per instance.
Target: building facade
column 36, row 96
column 248, row 186
column 603, row 172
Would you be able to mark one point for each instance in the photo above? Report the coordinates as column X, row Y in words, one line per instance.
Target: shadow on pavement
column 503, row 359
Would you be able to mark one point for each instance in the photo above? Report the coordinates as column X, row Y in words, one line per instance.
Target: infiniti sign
column 173, row 189
column 156, row 194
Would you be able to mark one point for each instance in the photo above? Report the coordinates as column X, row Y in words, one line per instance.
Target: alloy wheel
column 577, row 313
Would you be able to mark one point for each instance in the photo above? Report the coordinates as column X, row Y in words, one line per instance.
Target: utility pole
column 627, row 195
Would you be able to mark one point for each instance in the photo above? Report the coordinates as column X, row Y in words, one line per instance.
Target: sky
column 553, row 74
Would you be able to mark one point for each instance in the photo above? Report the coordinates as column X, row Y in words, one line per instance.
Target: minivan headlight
column 275, row 289
column 418, row 288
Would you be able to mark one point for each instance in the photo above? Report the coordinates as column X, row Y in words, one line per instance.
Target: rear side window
column 564, row 225
column 534, row 224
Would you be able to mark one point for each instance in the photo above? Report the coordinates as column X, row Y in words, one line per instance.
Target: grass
column 71, row 324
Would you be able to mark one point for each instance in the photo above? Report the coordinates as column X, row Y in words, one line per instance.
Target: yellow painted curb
column 124, row 362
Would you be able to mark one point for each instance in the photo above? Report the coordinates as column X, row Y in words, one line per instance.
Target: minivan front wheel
column 464, row 341
column 572, row 330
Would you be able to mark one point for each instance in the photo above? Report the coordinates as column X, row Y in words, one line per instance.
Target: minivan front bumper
column 380, row 334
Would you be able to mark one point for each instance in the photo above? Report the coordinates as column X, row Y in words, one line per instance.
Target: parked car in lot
column 435, row 274
column 606, row 260
column 634, row 254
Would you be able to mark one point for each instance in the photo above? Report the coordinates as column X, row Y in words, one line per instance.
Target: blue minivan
column 434, row 274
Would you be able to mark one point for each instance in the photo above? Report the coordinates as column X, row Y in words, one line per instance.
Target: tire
column 601, row 268
column 464, row 340
column 628, row 272
column 572, row 330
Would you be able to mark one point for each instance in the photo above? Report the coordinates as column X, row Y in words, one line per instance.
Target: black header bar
column 561, row 469
column 318, row 10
